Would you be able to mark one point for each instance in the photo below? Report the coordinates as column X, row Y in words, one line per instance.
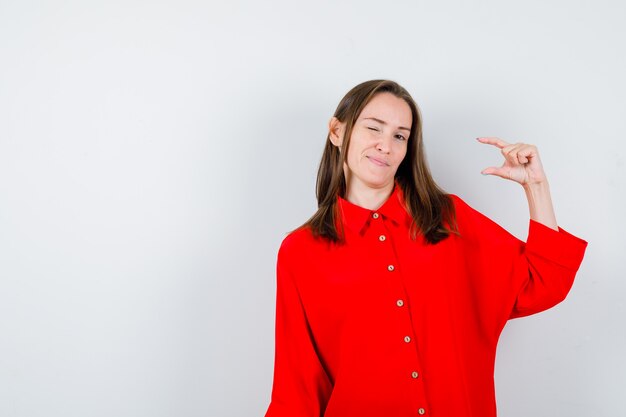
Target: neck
column 368, row 197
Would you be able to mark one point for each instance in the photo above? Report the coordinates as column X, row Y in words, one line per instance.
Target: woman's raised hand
column 521, row 162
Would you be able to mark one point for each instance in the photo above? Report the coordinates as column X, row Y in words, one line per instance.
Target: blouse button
column 399, row 303
column 391, row 268
column 421, row 411
column 407, row 339
column 382, row 238
column 375, row 215
column 414, row 374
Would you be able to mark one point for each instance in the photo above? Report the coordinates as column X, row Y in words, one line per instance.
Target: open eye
column 400, row 137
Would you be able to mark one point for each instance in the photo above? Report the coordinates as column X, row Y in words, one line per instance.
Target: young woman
column 392, row 296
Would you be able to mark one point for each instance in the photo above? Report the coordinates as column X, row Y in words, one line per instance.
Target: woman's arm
column 523, row 165
column 301, row 386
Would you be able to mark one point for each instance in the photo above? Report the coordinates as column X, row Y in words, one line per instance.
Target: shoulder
column 459, row 203
column 300, row 253
column 475, row 225
column 298, row 244
column 463, row 212
column 298, row 238
column 295, row 239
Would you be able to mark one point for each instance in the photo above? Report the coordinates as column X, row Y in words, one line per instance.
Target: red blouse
column 385, row 326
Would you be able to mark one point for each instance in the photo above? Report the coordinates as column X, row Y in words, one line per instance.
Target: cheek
column 402, row 153
column 351, row 159
column 354, row 153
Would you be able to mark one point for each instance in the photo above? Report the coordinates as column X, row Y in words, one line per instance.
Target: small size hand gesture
column 521, row 162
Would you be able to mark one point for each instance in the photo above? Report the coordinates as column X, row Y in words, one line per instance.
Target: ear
column 335, row 131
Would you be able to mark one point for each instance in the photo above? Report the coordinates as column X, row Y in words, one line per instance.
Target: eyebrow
column 384, row 123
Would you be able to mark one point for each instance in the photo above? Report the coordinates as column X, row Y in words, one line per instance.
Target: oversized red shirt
column 386, row 326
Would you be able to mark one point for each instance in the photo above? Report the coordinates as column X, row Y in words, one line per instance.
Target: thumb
column 497, row 171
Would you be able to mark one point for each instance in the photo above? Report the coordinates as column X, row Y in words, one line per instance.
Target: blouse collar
column 356, row 217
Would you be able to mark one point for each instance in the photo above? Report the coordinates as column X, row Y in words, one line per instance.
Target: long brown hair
column 430, row 207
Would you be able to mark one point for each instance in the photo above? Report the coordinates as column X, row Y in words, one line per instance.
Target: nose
column 384, row 143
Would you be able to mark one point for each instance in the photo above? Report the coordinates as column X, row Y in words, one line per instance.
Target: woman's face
column 378, row 143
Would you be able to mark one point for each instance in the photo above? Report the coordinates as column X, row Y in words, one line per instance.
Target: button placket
column 379, row 230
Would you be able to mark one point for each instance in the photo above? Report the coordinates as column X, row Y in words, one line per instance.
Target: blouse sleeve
column 301, row 386
column 513, row 278
column 553, row 259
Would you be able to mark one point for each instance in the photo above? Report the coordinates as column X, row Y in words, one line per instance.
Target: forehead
column 389, row 108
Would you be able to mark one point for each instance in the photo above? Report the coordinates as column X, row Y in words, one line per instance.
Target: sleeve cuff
column 558, row 246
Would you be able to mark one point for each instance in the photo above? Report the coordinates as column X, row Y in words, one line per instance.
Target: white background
column 154, row 154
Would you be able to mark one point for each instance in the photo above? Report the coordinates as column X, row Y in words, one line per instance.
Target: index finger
column 493, row 141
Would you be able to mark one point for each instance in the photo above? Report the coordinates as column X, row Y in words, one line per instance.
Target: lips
column 377, row 161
